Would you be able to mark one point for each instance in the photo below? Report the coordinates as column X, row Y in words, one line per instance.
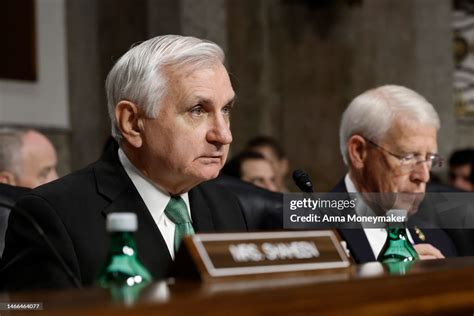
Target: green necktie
column 177, row 212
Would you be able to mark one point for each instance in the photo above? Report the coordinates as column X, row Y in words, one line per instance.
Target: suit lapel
column 356, row 238
column 151, row 246
column 358, row 244
column 114, row 184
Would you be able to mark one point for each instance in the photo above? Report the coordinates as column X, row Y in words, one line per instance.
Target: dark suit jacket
column 361, row 251
column 8, row 196
column 72, row 212
column 463, row 238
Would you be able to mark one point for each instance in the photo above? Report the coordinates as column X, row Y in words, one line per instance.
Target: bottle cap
column 398, row 212
column 122, row 222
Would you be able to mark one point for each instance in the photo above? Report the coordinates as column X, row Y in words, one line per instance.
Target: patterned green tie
column 177, row 212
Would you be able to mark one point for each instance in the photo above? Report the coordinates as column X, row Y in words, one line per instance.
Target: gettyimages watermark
column 369, row 210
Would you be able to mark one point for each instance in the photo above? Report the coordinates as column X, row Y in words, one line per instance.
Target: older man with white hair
column 388, row 140
column 169, row 100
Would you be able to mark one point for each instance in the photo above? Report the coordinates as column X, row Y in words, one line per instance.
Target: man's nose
column 220, row 131
column 421, row 172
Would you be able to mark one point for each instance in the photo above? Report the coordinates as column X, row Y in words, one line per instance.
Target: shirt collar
column 361, row 208
column 349, row 184
column 155, row 197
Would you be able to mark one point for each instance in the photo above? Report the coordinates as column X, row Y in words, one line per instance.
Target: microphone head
column 302, row 180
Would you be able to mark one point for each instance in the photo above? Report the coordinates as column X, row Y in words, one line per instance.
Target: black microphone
column 303, row 181
column 47, row 241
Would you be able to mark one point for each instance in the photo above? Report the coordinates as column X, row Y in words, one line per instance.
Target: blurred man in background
column 27, row 158
column 461, row 170
column 252, row 167
column 274, row 153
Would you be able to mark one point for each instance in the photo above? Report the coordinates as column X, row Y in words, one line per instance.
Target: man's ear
column 357, row 151
column 127, row 116
column 7, row 177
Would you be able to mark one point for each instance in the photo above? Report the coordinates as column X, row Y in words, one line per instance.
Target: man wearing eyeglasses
column 388, row 140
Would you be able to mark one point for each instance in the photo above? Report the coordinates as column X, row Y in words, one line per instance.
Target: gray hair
column 11, row 143
column 138, row 75
column 372, row 113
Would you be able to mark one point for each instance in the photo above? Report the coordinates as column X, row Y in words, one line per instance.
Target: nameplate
column 234, row 254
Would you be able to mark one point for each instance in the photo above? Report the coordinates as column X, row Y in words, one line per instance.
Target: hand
column 427, row 251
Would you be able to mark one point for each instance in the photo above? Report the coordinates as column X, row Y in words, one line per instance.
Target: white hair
column 138, row 75
column 11, row 144
column 372, row 113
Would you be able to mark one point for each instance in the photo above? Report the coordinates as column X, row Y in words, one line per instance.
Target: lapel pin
column 420, row 234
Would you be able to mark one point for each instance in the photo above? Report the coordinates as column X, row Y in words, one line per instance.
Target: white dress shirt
column 156, row 199
column 375, row 236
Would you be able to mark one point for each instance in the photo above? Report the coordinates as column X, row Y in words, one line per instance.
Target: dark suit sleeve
column 28, row 262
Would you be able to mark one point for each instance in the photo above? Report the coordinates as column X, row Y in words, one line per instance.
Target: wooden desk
column 437, row 287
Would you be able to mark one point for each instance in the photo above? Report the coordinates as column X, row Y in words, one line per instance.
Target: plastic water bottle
column 397, row 247
column 123, row 272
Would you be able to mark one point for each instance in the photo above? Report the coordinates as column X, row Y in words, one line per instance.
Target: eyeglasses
column 409, row 161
